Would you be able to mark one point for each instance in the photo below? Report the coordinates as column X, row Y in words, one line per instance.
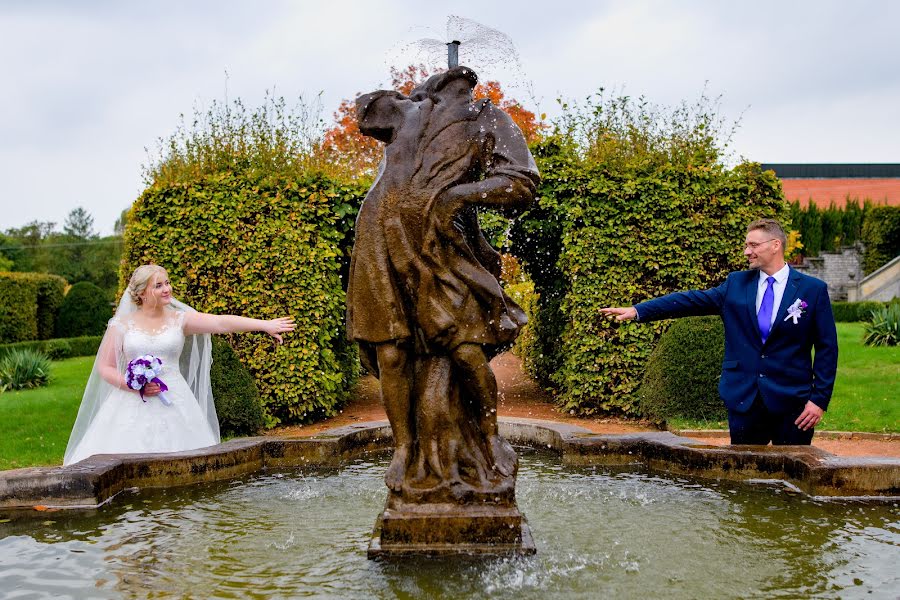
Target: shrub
column 881, row 236
column 29, row 304
column 80, row 346
column 24, row 369
column 85, row 311
column 682, row 375
column 631, row 207
column 245, row 221
column 884, row 328
column 57, row 349
column 851, row 312
column 237, row 400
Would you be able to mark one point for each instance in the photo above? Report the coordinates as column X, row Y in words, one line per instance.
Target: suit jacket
column 782, row 369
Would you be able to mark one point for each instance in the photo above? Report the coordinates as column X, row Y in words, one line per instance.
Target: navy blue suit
column 780, row 371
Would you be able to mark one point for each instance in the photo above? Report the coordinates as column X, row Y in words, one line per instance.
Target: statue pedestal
column 440, row 529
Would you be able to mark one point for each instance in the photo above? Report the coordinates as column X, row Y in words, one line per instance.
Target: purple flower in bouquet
column 143, row 370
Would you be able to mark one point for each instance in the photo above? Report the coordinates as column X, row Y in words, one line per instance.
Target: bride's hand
column 276, row 326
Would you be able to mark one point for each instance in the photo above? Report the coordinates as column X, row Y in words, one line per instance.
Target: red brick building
column 824, row 183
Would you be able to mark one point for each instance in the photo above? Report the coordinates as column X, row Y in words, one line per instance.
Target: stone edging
column 98, row 479
column 826, row 435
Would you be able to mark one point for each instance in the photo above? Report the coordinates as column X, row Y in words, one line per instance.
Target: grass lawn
column 866, row 391
column 35, row 424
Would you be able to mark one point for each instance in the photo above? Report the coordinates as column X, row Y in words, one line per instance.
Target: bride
column 115, row 419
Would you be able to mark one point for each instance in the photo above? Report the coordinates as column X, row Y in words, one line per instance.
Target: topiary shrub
column 57, row 349
column 62, row 348
column 238, row 406
column 884, row 327
column 85, row 310
column 615, row 226
column 852, row 312
column 24, row 369
column 682, row 374
column 247, row 219
column 29, row 304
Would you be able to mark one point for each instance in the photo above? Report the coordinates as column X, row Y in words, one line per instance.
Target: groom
column 773, row 317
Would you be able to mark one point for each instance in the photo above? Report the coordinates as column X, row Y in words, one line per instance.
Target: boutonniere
column 796, row 309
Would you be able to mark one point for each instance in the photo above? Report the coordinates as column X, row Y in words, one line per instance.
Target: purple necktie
column 764, row 317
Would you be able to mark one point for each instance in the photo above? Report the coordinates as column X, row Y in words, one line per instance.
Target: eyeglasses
column 755, row 245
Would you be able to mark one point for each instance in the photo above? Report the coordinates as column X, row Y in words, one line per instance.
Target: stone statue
column 424, row 299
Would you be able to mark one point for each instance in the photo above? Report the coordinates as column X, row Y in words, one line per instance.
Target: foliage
column 246, row 223
column 58, row 348
column 85, row 311
column 237, row 399
column 884, row 328
column 228, row 137
column 635, row 203
column 878, row 227
column 76, row 254
column 29, row 305
column 848, row 312
column 881, row 235
column 23, row 370
column 682, row 375
column 360, row 155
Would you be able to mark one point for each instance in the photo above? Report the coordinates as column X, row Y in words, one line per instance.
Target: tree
column 361, row 154
column 79, row 225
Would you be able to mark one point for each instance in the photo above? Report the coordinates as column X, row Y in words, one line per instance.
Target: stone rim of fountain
column 97, row 480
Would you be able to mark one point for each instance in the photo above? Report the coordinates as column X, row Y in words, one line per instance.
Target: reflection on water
column 599, row 533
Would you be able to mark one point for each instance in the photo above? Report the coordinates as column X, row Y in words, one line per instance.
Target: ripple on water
column 598, row 530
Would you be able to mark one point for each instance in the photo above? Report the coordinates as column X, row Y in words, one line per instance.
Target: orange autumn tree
column 360, row 154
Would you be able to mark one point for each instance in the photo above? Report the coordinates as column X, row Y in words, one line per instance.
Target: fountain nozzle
column 452, row 54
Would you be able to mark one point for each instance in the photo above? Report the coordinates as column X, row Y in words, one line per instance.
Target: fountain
column 626, row 514
column 426, row 307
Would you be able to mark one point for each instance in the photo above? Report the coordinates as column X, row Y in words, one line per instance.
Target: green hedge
column 29, row 305
column 262, row 246
column 59, row 348
column 848, row 312
column 238, row 406
column 682, row 375
column 613, row 231
column 881, row 236
column 85, row 310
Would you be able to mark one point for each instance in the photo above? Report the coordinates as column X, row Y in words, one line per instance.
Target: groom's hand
column 810, row 416
column 620, row 314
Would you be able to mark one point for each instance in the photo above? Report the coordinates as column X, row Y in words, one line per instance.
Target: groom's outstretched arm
column 692, row 303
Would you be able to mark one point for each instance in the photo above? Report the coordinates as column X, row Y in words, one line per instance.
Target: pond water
column 600, row 532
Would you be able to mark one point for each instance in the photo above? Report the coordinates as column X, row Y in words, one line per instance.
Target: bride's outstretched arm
column 195, row 322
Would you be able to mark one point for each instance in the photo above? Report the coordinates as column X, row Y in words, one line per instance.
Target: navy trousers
column 760, row 426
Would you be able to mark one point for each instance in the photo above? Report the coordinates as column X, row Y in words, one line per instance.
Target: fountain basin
column 97, row 480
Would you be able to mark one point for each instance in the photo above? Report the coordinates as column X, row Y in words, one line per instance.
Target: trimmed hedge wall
column 263, row 246
column 29, row 305
column 845, row 312
column 616, row 232
column 59, row 348
column 85, row 311
column 682, row 374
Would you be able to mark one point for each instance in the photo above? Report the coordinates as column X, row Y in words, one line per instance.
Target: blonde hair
column 139, row 280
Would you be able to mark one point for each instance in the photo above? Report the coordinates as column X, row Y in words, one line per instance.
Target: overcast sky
column 87, row 86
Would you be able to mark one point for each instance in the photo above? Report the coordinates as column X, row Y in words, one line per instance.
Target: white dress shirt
column 781, row 277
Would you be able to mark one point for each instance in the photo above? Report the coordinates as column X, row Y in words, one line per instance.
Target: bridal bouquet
column 143, row 370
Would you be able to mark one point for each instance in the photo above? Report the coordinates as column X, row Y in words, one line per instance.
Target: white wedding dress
column 124, row 424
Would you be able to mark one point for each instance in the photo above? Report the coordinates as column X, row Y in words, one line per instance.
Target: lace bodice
column 165, row 343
